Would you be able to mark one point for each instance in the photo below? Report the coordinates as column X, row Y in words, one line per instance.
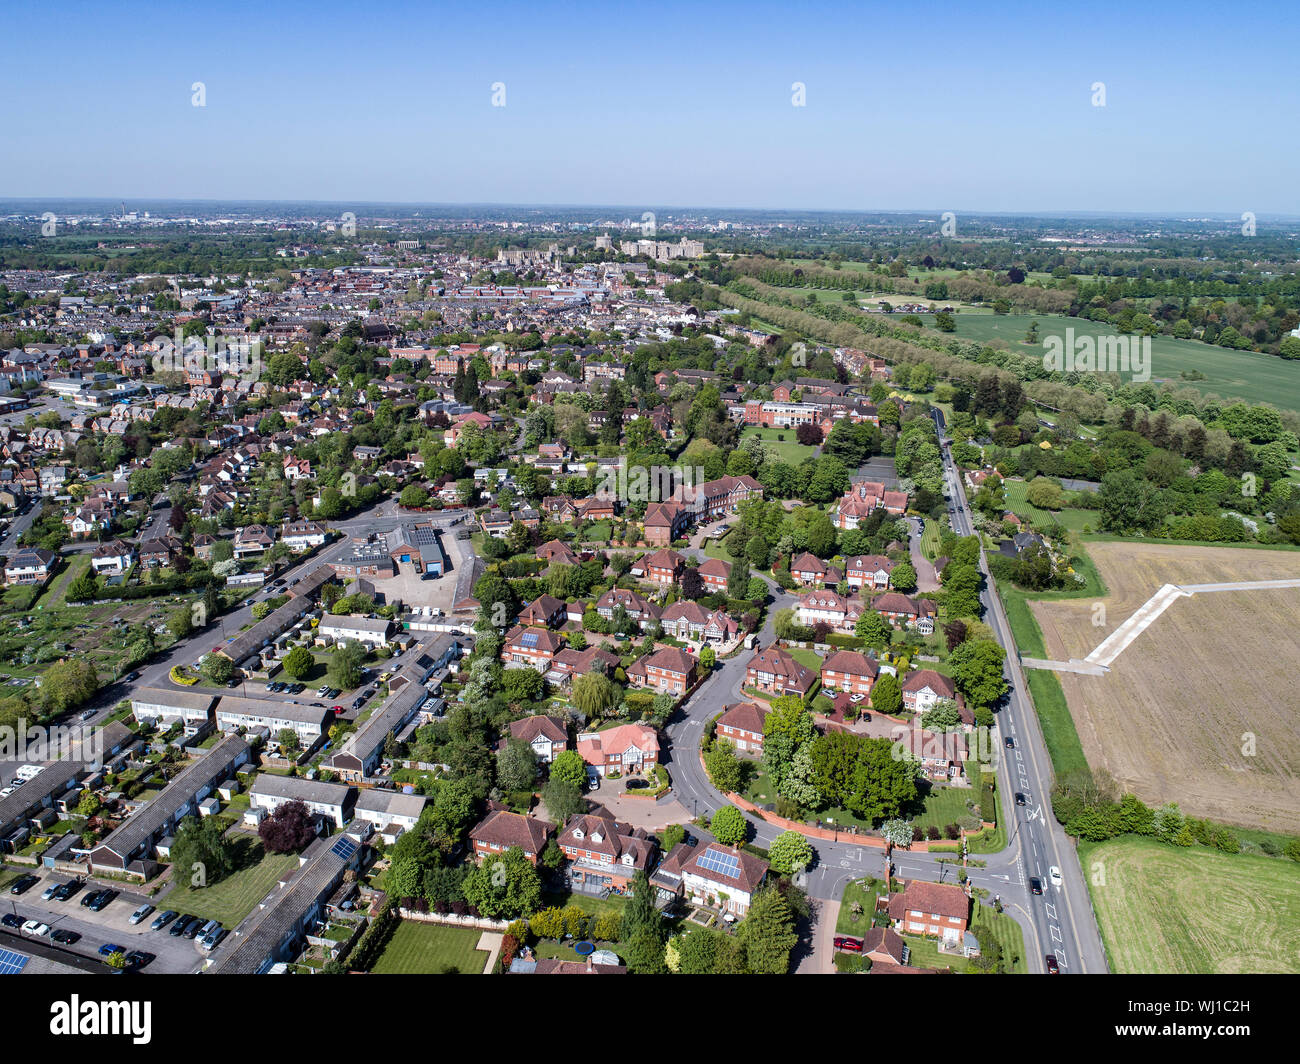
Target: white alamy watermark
column 86, row 1018
column 648, row 483
column 237, row 356
column 911, row 742
column 57, row 743
column 1098, row 354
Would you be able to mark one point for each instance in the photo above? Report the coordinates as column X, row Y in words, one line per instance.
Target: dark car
column 91, row 898
column 848, row 945
column 1052, row 967
column 24, row 883
column 138, row 959
column 109, row 948
column 1020, row 798
column 101, row 902
column 182, row 925
column 1035, row 885
column 162, row 920
column 11, row 920
column 64, row 937
column 68, row 889
column 195, row 927
column 1010, row 742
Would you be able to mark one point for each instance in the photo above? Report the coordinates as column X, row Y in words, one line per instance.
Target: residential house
column 937, row 910
column 548, row 736
column 850, row 671
column 742, row 725
column 774, row 671
column 669, row 670
column 604, row 853
column 502, row 830
column 625, row 748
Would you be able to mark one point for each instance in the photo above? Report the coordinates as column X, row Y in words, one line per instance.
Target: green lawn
column 864, row 892
column 944, row 806
column 233, row 898
column 431, row 949
column 598, row 532
column 1176, row 910
column 1248, row 375
column 588, row 903
column 715, row 548
column 930, row 539
column 56, row 591
column 788, row 450
column 1070, row 517
column 807, row 657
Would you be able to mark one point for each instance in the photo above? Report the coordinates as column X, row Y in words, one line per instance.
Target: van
column 208, row 928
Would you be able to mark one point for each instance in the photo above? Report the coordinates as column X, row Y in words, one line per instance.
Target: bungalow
column 502, row 830
column 668, row 670
column 848, row 670
column 742, row 724
column 774, row 671
column 626, row 748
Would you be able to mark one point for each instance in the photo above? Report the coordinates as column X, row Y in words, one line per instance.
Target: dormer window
column 627, row 858
column 577, row 833
column 596, row 837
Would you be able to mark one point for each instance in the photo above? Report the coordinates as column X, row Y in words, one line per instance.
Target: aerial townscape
column 412, row 585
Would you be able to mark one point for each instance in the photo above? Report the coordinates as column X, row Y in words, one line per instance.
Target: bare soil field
column 1178, row 707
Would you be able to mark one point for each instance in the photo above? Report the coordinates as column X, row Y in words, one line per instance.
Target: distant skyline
column 677, row 104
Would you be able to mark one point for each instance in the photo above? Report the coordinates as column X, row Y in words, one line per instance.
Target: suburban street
column 1059, row 922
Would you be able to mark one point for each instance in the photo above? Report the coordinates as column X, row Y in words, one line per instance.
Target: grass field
column 234, row 897
column 788, row 450
column 930, row 539
column 431, row 949
column 1069, row 517
column 807, row 657
column 1164, row 909
column 944, row 806
column 1249, row 375
column 1173, row 718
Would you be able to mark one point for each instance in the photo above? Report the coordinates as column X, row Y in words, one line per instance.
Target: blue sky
column 927, row 106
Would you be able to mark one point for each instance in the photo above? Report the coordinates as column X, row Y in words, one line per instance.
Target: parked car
column 138, row 959
column 1052, row 967
column 48, row 893
column 140, row 913
column 848, row 945
column 182, row 925
column 1054, row 874
column 36, row 929
column 68, row 889
column 24, row 883
column 163, row 919
column 91, row 898
column 101, row 902
column 65, row 938
column 212, row 939
column 194, row 928
column 11, row 920
column 109, row 948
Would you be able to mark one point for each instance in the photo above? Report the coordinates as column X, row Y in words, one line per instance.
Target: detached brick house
column 665, row 522
column 715, row 573
column 774, row 671
column 713, row 874
column 742, row 724
column 604, row 852
column 848, row 670
column 545, row 611
column 623, row 749
column 534, row 647
column 669, row 670
column 808, row 570
column 663, row 567
column 501, row 830
column 548, row 736
column 923, row 688
column 937, row 910
column 555, row 551
column 901, row 611
column 868, row 570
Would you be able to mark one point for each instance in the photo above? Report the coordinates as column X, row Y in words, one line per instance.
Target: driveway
column 927, row 579
column 639, row 812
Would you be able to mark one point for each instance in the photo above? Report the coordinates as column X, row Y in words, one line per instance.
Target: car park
column 141, row 913
column 212, row 939
column 163, row 919
column 64, row 937
column 101, row 902
column 24, row 883
column 138, row 958
column 48, row 893
column 194, row 928
column 90, row 898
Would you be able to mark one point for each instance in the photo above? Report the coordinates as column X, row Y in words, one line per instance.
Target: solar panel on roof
column 529, row 639
column 12, row 963
column 344, row 848
column 725, row 864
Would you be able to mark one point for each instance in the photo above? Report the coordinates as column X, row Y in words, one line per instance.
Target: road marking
column 1056, row 933
column 1051, row 911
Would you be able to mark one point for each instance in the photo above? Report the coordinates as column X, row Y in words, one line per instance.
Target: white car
column 36, row 929
column 1054, row 874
